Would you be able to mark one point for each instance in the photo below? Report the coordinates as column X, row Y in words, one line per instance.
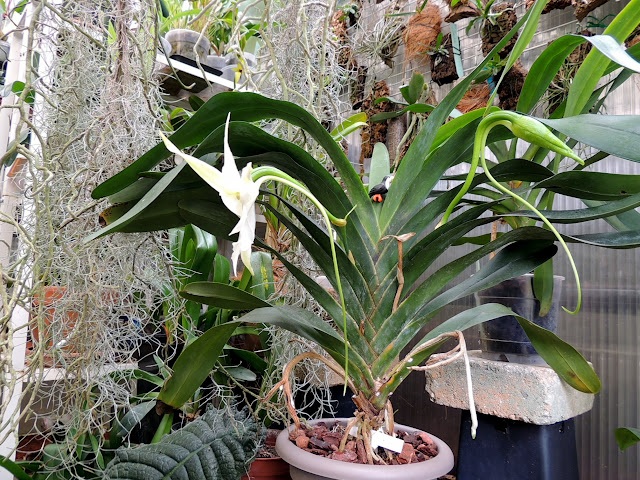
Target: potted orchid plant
column 374, row 255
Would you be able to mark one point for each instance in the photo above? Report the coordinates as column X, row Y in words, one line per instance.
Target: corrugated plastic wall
column 606, row 329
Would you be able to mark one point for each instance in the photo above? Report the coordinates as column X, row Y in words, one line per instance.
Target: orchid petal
column 209, row 174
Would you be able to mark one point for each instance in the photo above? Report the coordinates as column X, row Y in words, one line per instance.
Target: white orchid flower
column 237, row 190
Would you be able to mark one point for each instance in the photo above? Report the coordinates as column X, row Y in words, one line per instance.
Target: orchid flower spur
column 534, row 132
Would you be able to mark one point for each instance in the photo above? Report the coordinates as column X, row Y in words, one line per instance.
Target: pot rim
column 436, row 467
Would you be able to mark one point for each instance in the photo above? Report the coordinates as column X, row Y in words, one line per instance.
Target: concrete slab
column 529, row 393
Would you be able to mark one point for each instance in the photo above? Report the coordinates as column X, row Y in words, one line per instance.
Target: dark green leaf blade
column 222, row 295
column 194, row 364
column 562, row 357
column 627, row 436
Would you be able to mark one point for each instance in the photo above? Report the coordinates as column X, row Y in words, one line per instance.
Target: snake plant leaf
column 216, row 446
column 562, row 357
column 627, row 436
column 594, row 66
column 415, row 156
column 194, row 364
column 603, row 132
column 222, row 295
column 411, row 92
column 379, row 164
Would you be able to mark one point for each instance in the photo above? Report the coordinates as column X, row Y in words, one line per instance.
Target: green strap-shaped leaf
column 627, row 436
column 222, row 295
column 194, row 364
column 594, row 66
column 615, row 134
column 14, row 468
column 562, row 357
column 309, row 326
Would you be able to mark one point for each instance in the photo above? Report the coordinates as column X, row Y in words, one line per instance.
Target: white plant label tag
column 379, row 439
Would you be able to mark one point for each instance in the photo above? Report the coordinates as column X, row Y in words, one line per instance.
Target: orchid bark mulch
column 323, row 441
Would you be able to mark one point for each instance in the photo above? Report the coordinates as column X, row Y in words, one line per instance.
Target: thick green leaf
column 194, row 364
column 14, row 468
column 241, row 374
column 247, row 107
column 222, row 295
column 562, row 357
column 594, row 66
column 221, row 269
column 615, row 134
column 262, row 284
column 379, row 164
column 627, row 436
column 411, row 93
column 209, row 216
column 143, row 204
column 543, row 286
column 121, row 428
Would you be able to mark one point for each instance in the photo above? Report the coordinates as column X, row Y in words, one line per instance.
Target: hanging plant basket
column 552, row 5
column 422, row 32
column 511, row 86
column 463, row 9
column 443, row 66
column 491, row 33
column 585, row 7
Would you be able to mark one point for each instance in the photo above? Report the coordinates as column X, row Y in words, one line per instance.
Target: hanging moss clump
column 552, row 5
column 585, row 7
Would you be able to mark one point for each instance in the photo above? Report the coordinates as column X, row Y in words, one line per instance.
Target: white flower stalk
column 238, row 192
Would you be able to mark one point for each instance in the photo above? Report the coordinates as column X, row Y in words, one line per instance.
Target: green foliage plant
column 376, row 255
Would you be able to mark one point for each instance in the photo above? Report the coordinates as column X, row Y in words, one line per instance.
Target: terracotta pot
column 307, row 466
column 268, row 469
column 51, row 296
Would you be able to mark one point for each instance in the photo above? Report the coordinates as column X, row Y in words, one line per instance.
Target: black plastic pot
column 504, row 335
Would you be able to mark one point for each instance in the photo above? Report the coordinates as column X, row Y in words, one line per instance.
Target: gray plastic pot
column 307, row 466
column 183, row 41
